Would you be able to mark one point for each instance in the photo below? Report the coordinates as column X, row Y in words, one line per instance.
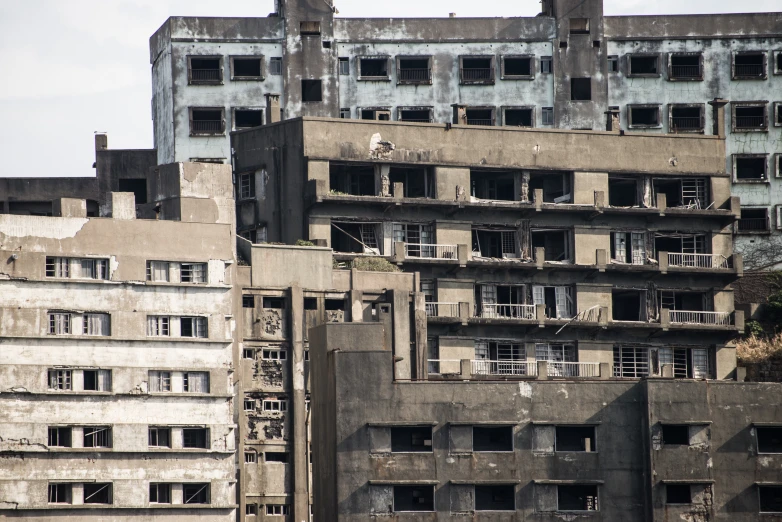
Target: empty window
column 613, row 63
column 748, row 117
column 160, row 493
column 750, row 167
column 753, row 220
column 276, row 405
column 681, row 192
column 59, row 324
column 160, row 437
column 97, row 437
column 495, row 497
column 60, row 493
column 97, row 493
column 643, row 116
column 158, row 326
column 556, row 244
column 547, row 115
column 778, row 62
column 476, row 69
column 749, row 65
column 778, row 111
column 248, row 301
column 97, row 380
column 344, row 66
column 379, row 114
column 195, row 493
column 579, row 26
column 686, row 118
column 275, row 66
column 770, row 499
column 207, row 121
column 492, row 438
column 60, row 379
column 495, row 185
column 373, row 68
column 414, row 69
column 678, row 494
column 249, row 404
column 60, row 437
column 411, row 439
column 195, row 438
column 311, row 90
column 546, row 64
column 577, row 498
column 495, row 243
column 421, row 115
column 250, row 457
column 580, row 89
column 643, row 65
column 276, row 509
column 96, row 324
column 193, row 327
column 676, row 435
column 480, row 116
column 686, row 67
column 251, row 509
column 358, row 238
column 247, row 118
column 622, row 192
column 519, row 117
column 159, row 381
column 629, row 305
column 195, row 382
column 277, row 303
column 247, row 186
column 575, row 438
column 309, row 28
column 58, row 267
column 276, row 456
column 517, row 67
column 413, row 498
column 205, row 69
column 769, row 439
column 274, row 355
column 247, row 68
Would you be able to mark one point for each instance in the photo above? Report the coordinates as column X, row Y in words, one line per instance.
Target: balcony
column 427, row 251
column 486, row 369
column 442, row 309
column 518, row 368
column 681, row 260
column 508, row 311
column 700, row 318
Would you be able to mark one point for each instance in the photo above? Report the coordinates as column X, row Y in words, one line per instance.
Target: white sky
column 78, row 66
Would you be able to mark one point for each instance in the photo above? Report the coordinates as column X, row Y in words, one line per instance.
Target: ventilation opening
column 676, row 435
column 517, row 66
column 277, row 303
column 575, row 438
column 643, row 65
column 276, row 456
column 311, row 90
column 644, row 116
column 580, row 89
column 137, row 186
column 248, row 301
column 628, row 305
column 247, row 118
column 310, row 303
column 335, row 304
column 487, row 439
column 518, row 117
column 352, row 180
column 411, row 439
column 311, row 28
column 678, row 494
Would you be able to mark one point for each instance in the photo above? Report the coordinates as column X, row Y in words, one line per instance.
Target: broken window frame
column 247, row 57
column 60, row 323
column 158, row 271
column 215, row 127
column 275, row 405
column 557, row 353
column 158, row 326
column 376, row 113
column 673, row 128
column 759, row 126
column 567, row 256
column 196, row 493
column 102, row 489
column 644, row 106
column 373, row 78
column 564, row 300
column 410, row 175
column 194, row 273
column 632, row 245
column 494, row 439
column 97, row 437
column 234, row 110
column 738, row 74
column 777, row 114
column 309, row 28
column 77, row 268
column 421, row 77
column 371, row 241
column 159, row 493
column 417, row 236
column 159, row 437
column 487, row 185
column 60, row 379
column 532, row 65
column 629, row 59
column 198, row 327
column 101, row 380
column 596, row 501
column 195, row 382
column 672, row 75
column 505, row 241
column 247, row 186
column 60, row 437
column 60, row 493
column 530, row 108
column 499, row 357
column 159, row 381
column 96, row 324
column 476, row 77
column 762, row 179
column 613, row 63
column 205, row 80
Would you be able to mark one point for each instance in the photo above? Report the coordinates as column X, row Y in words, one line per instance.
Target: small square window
column 248, row 301
column 250, row 457
column 249, row 404
column 344, row 114
column 248, row 353
column 546, row 65
column 678, row 494
column 60, row 437
column 159, row 437
column 251, row 509
column 344, row 66
column 311, row 90
column 676, row 435
column 770, row 499
column 195, row 493
column 581, row 89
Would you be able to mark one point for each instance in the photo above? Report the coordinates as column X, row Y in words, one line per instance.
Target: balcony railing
column 573, row 369
column 686, row 123
column 476, row 75
column 698, row 260
column 210, row 126
column 486, row 367
column 692, row 317
column 507, row 311
column 485, row 123
column 749, row 71
column 430, row 251
column 442, row 309
column 750, row 122
column 685, row 71
column 415, row 75
column 205, row 75
column 753, row 224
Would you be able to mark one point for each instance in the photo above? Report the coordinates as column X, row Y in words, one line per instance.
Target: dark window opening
column 344, row 114
column 575, row 438
column 355, row 238
column 644, row 65
column 311, row 90
column 613, row 63
column 770, row 499
column 644, row 116
column 769, row 439
column 493, row 185
column 207, row 121
column 477, row 69
column 138, row 186
column 277, row 303
column 546, row 65
column 779, row 61
column 416, row 181
column 686, row 119
column 492, row 438
column 375, row 114
column 195, row 493
column 335, row 304
column 685, row 66
column 750, row 118
column 276, row 456
column 518, row 117
column 160, row 437
column 247, row 118
column 751, row 168
column 680, row 243
column 248, row 301
column 414, row 70
column 97, row 437
column 749, row 65
column 160, row 493
column 413, row 498
column 60, row 437
column 579, row 26
column 344, row 66
column 205, row 70
column 416, row 115
column 352, row 180
column 483, row 117
column 495, row 498
column 678, row 494
column 60, row 493
column 195, row 438
column 91, row 380
column 373, row 67
column 309, row 28
column 327, row 44
column 411, row 439
column 495, row 243
column 622, row 192
column 555, row 242
column 753, row 220
column 547, row 115
column 97, row 493
column 247, row 67
column 779, row 110
column 517, row 66
column 689, row 192
column 580, row 89
column 676, row 435
column 577, row 498
column 628, row 305
column 555, row 186
column 310, row 303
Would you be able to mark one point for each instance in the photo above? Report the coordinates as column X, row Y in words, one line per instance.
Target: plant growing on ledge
column 304, row 243
column 374, row 264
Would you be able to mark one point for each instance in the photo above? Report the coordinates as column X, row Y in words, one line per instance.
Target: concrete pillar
column 356, row 306
column 662, row 262
column 662, row 202
column 665, row 318
column 612, row 120
column 123, row 205
column 459, row 114
column 401, row 313
column 421, row 345
column 464, row 313
column 69, row 207
column 272, row 108
column 542, row 370
column 301, row 505
column 741, row 374
column 605, row 371
column 101, row 141
column 738, row 264
column 398, row 254
column 600, row 199
column 540, row 313
column 667, row 371
column 538, row 197
column 463, row 254
column 540, row 257
column 466, row 369
column 399, row 190
column 601, row 259
column 738, row 318
column 718, row 116
column 384, row 317
column 603, row 318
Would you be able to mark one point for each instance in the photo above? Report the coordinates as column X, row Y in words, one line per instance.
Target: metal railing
column 415, row 75
column 205, row 75
column 752, row 224
column 476, row 75
column 749, row 70
column 686, row 123
column 485, row 123
column 750, row 122
column 430, row 251
column 685, row 71
column 486, row 367
column 692, row 317
column 442, row 309
column 215, row 126
column 507, row 311
column 573, row 369
column 698, row 260
column 441, row 366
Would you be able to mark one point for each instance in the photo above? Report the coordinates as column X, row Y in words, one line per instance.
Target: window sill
column 655, row 75
column 247, row 78
column 751, row 181
column 737, row 129
column 741, row 78
column 476, row 82
column 414, row 82
column 644, row 127
column 374, row 78
column 675, row 79
column 206, row 134
column 520, row 77
column 206, row 82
